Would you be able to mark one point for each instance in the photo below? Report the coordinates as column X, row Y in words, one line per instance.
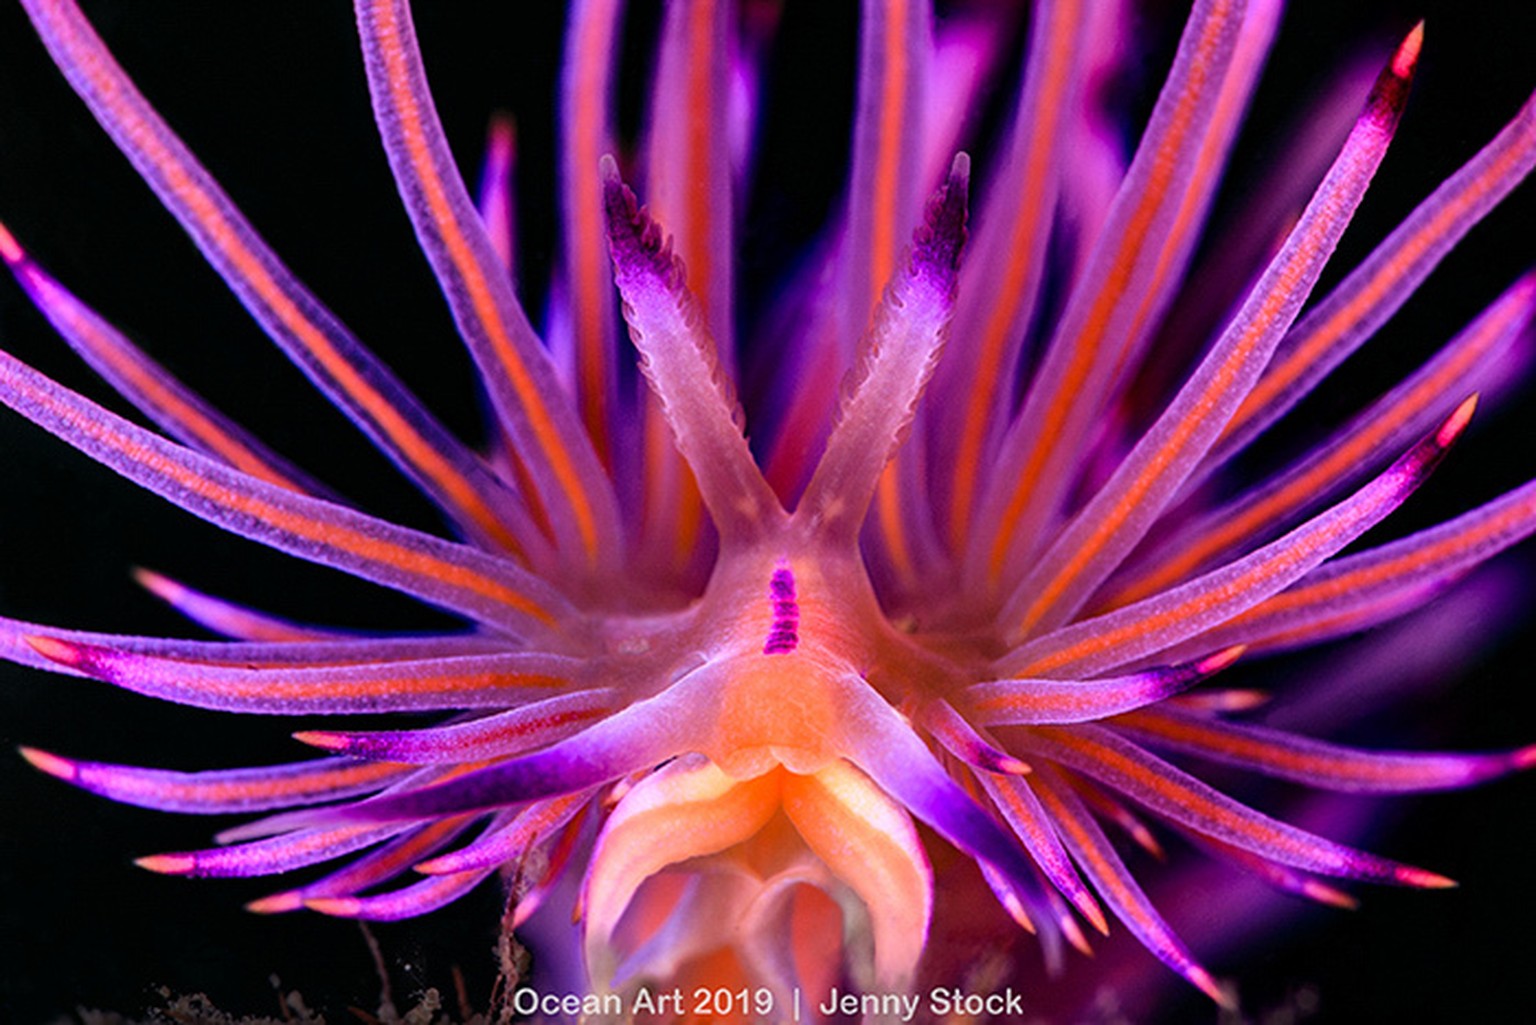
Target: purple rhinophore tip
column 938, row 241
column 639, row 248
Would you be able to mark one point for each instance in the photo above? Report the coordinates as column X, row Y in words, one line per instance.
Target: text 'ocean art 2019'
column 866, row 594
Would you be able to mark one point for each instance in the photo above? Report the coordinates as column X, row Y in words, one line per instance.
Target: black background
column 272, row 98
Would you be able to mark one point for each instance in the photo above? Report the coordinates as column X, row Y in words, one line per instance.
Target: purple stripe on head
column 784, row 636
